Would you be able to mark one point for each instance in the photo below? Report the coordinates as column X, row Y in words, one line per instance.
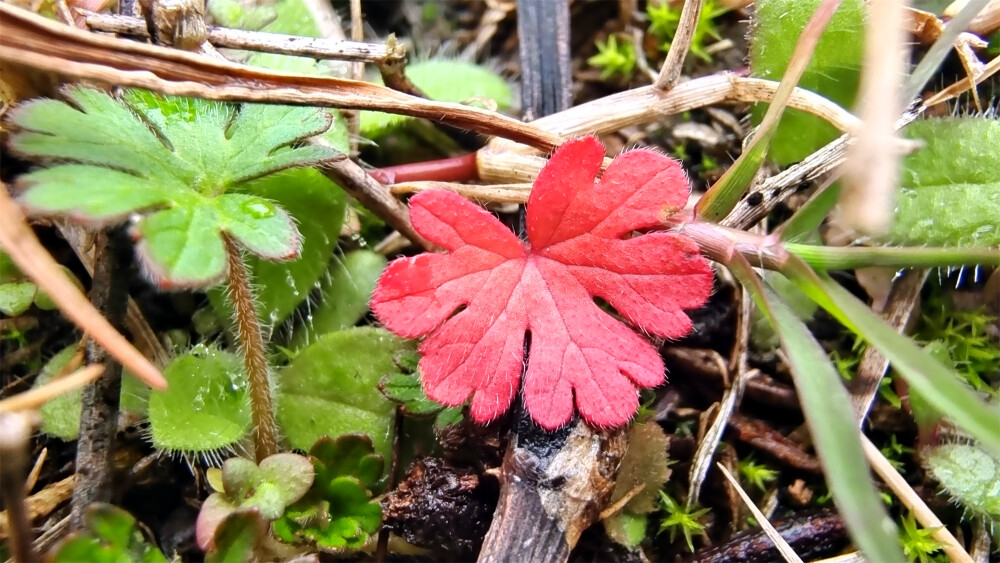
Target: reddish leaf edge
column 438, row 296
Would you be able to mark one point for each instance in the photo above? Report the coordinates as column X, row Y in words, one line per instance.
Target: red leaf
column 580, row 248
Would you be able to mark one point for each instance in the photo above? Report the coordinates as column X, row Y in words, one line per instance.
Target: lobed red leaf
column 477, row 303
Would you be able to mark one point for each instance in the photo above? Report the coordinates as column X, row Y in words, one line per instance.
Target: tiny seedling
column 614, row 57
column 919, row 544
column 664, row 19
column 110, row 535
column 756, row 474
column 268, row 488
column 337, row 512
column 680, row 518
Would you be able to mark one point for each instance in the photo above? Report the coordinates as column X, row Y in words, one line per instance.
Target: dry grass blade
column 670, row 72
column 34, row 41
column 31, row 257
column 494, row 193
column 912, row 500
column 293, row 45
column 871, row 171
column 37, row 397
column 786, row 550
column 964, row 85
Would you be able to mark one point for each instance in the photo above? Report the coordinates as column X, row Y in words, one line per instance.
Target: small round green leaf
column 16, row 297
column 205, row 407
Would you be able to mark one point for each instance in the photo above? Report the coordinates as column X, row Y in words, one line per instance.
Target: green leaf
column 238, row 537
column 61, row 415
column 259, row 225
column 330, row 388
column 405, row 389
column 950, row 194
column 181, row 247
column 970, row 475
column 174, row 158
column 344, row 295
column 833, row 72
column 17, row 297
column 645, row 463
column 93, row 194
column 445, row 81
column 626, row 528
column 317, row 206
column 205, row 407
column 827, row 411
column 111, row 535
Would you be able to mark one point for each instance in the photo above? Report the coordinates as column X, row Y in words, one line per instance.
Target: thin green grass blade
column 941, row 387
column 850, row 257
column 827, row 410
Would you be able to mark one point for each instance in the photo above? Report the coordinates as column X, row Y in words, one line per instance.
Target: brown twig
column 670, row 72
column 251, row 343
column 373, row 195
column 260, row 41
column 99, row 413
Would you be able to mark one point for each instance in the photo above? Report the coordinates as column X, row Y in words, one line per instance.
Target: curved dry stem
column 18, row 240
column 34, row 41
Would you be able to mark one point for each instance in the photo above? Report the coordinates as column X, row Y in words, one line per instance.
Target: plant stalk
column 251, row 342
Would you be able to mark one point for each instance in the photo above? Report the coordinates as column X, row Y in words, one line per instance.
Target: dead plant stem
column 670, row 72
column 251, row 343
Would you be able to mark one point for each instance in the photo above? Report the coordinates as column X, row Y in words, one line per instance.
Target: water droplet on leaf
column 258, row 209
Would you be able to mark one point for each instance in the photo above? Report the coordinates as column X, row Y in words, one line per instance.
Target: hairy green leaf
column 344, row 295
column 950, row 193
column 205, row 407
column 330, row 388
column 174, row 159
